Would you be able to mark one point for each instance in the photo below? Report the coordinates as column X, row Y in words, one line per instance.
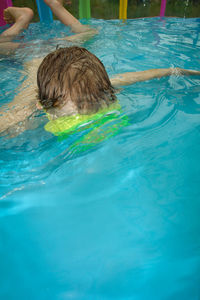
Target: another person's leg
column 64, row 16
column 21, row 17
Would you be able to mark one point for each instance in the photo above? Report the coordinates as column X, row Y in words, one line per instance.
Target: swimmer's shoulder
column 33, row 64
column 30, row 70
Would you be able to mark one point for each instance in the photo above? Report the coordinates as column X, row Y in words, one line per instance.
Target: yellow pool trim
column 123, row 9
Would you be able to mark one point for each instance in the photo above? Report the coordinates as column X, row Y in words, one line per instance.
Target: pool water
column 119, row 220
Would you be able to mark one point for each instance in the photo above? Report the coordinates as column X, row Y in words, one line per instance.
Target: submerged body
column 70, row 80
column 26, row 102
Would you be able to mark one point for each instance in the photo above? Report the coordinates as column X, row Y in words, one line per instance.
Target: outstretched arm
column 133, row 77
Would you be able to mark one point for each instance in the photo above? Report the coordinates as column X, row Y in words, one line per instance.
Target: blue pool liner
column 44, row 11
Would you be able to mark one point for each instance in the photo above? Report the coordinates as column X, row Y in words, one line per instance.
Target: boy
column 74, row 81
column 71, row 81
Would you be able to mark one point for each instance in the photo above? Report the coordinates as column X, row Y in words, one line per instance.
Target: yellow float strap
column 98, row 127
column 68, row 124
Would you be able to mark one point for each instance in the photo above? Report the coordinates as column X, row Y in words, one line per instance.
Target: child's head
column 74, row 76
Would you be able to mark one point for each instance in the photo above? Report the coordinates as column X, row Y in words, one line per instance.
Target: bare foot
column 20, row 16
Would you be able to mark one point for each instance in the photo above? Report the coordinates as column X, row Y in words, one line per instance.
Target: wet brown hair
column 76, row 73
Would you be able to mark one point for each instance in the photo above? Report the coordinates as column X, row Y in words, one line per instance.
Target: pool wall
column 109, row 9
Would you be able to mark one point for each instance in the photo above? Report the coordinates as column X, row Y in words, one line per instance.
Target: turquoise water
column 121, row 219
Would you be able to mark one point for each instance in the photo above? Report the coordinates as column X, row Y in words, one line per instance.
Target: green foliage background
column 109, row 9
